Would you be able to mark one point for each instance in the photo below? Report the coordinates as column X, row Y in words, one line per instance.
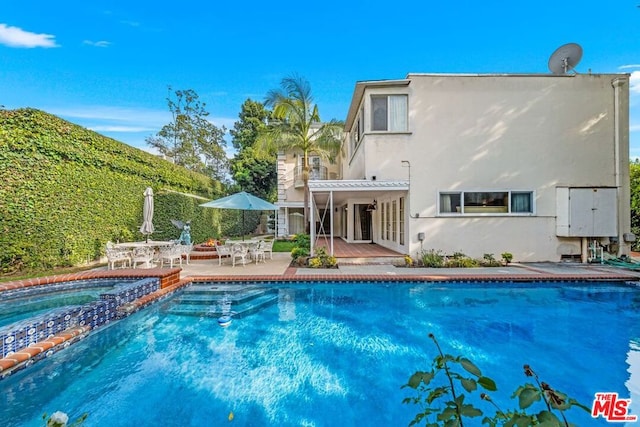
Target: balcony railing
column 315, row 173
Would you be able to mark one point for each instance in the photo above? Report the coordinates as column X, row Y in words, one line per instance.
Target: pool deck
column 278, row 268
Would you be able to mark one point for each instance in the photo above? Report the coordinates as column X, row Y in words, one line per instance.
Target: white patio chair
column 117, row 255
column 143, row 255
column 239, row 252
column 268, row 247
column 257, row 252
column 170, row 254
column 223, row 251
column 186, row 251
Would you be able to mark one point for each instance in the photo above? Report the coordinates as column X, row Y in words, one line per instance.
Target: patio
column 353, row 253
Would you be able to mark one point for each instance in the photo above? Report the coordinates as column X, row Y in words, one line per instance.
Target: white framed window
column 315, row 167
column 357, row 131
column 389, row 113
column 382, row 220
column 401, row 220
column 486, row 202
column 394, row 221
column 387, row 231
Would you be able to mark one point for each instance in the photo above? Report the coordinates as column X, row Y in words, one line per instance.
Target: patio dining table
column 250, row 244
column 156, row 244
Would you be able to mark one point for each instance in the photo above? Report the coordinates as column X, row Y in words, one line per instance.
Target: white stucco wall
column 499, row 133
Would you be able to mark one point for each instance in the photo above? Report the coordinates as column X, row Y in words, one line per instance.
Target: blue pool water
column 335, row 354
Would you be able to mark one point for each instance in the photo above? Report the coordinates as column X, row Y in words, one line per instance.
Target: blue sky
column 106, row 65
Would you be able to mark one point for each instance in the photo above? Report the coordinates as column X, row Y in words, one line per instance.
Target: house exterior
column 535, row 165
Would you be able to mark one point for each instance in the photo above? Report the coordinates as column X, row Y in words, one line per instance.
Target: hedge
column 65, row 191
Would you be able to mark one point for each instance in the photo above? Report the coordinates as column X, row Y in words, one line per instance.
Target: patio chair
column 117, row 255
column 257, row 252
column 170, row 254
column 223, row 252
column 142, row 255
column 239, row 252
column 186, row 251
column 268, row 247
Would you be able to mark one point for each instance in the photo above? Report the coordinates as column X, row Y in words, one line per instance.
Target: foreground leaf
column 487, row 383
column 469, row 384
column 470, row 367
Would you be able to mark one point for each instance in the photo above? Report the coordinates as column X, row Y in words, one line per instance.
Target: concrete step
column 386, row 260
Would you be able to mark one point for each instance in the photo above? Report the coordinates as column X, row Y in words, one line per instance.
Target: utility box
column 586, row 212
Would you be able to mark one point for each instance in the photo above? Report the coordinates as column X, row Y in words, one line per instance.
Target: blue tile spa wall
column 23, row 333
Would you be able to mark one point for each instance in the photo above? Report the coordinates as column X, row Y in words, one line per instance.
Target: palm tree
column 296, row 127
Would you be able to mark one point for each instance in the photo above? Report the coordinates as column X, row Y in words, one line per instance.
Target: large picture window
column 389, row 113
column 486, row 202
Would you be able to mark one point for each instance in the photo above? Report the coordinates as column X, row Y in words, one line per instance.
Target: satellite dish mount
column 565, row 58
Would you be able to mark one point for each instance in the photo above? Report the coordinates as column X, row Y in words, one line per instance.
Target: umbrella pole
column 243, row 225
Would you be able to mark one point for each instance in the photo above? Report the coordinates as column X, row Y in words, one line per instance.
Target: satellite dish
column 565, row 58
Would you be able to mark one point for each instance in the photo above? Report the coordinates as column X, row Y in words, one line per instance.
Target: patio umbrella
column 147, row 214
column 242, row 201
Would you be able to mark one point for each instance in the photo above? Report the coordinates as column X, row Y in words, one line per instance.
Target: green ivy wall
column 65, row 191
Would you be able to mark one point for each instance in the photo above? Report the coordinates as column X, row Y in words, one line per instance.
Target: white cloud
column 101, row 43
column 130, row 23
column 623, row 67
column 110, row 128
column 129, row 125
column 138, row 117
column 634, row 82
column 17, row 37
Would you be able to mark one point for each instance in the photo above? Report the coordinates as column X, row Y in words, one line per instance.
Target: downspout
column 617, row 83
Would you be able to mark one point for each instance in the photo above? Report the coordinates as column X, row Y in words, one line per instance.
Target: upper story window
column 357, row 131
column 486, row 202
column 389, row 113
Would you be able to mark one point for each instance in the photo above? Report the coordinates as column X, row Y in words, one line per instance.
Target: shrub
column 488, row 260
column 408, row 261
column 431, row 258
column 506, row 257
column 303, row 241
column 66, row 191
column 298, row 252
column 460, row 260
column 322, row 259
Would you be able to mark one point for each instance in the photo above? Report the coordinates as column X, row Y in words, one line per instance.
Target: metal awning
column 329, row 193
column 343, row 190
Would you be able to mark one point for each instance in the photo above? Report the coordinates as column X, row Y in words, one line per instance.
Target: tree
column 253, row 117
column 191, row 140
column 296, row 126
column 253, row 173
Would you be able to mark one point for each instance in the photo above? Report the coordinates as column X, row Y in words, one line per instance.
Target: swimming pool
column 326, row 354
